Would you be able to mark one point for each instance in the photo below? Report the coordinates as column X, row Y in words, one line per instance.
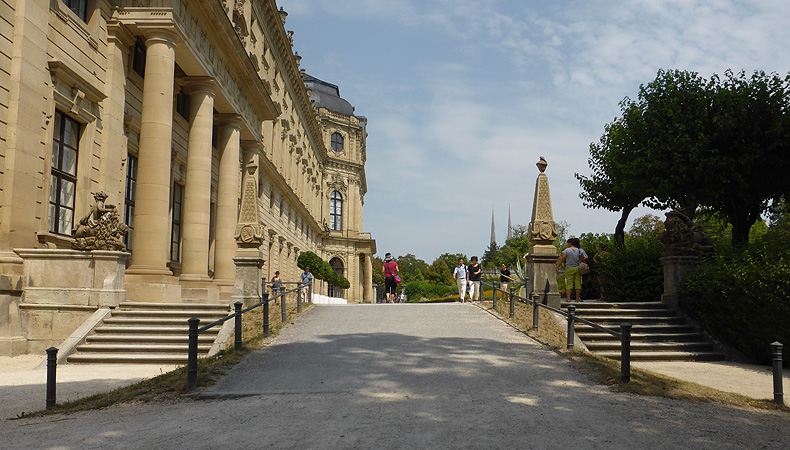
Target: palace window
column 337, row 142
column 128, row 201
column 182, row 104
column 336, row 211
column 63, row 176
column 138, row 58
column 175, row 230
column 79, row 7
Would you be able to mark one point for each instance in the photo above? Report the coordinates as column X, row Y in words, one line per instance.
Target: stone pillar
column 148, row 278
column 369, row 296
column 249, row 233
column 542, row 232
column 227, row 200
column 197, row 192
column 675, row 270
column 152, row 206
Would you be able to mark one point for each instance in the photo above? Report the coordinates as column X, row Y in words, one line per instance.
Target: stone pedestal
column 248, row 278
column 542, row 260
column 71, row 277
column 675, row 270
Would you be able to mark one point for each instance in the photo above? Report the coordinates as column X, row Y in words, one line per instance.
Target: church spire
column 493, row 233
column 509, row 226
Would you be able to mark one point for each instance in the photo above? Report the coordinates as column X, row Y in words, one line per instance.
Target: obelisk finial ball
column 542, row 164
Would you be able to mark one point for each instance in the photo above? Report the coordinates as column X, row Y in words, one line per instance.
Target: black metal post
column 192, row 355
column 298, row 303
column 265, row 313
column 237, row 324
column 625, row 352
column 776, row 350
column 512, row 302
column 535, row 311
column 571, row 320
column 52, row 368
column 283, row 312
column 309, row 298
column 496, row 291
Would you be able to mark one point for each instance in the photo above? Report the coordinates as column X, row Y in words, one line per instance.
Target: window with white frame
column 336, row 211
column 337, row 142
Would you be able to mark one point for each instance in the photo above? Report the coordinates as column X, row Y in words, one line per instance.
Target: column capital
column 252, row 145
column 155, row 34
column 120, row 34
column 228, row 120
column 206, row 85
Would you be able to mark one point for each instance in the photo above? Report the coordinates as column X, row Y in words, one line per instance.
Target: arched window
column 336, row 211
column 337, row 142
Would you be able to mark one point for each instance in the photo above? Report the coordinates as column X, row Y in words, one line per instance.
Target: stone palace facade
column 211, row 145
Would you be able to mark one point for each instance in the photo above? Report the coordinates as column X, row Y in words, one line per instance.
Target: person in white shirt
column 459, row 274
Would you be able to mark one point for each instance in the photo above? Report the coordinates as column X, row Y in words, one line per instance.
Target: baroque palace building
column 212, row 147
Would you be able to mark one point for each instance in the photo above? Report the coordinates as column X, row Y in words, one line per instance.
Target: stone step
column 640, row 346
column 639, row 328
column 161, row 338
column 614, row 305
column 153, row 321
column 178, row 330
column 665, row 356
column 129, row 358
column 202, row 315
column 650, row 337
column 138, row 348
column 625, row 312
column 175, row 306
column 605, row 320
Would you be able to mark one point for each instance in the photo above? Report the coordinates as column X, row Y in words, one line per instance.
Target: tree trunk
column 619, row 231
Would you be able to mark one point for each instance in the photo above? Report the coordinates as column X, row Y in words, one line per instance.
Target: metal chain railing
column 624, row 335
column 195, row 329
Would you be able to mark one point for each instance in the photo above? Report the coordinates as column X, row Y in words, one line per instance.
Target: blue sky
column 464, row 96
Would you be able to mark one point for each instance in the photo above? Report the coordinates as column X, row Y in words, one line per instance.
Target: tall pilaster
column 197, row 192
column 368, row 296
column 151, row 214
column 227, row 198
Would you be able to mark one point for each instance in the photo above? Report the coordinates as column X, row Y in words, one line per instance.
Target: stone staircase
column 658, row 332
column 149, row 333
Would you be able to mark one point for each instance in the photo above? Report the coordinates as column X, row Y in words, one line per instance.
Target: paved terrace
column 406, row 376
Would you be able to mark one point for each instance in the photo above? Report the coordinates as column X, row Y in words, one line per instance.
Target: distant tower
column 509, row 226
column 493, row 233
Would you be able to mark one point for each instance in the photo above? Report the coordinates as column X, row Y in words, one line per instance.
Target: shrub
column 321, row 269
column 629, row 273
column 743, row 300
column 415, row 291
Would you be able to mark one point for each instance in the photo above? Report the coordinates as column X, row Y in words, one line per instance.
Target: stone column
column 148, row 278
column 197, row 192
column 152, row 206
column 227, row 199
column 368, row 295
column 542, row 232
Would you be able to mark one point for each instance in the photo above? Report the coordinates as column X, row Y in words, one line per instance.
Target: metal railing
column 624, row 335
column 195, row 329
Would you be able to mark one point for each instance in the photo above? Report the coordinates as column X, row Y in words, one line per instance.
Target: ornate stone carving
column 101, row 229
column 542, row 229
column 336, row 184
column 683, row 237
column 248, row 231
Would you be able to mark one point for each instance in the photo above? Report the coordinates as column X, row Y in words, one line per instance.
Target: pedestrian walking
column 459, row 275
column 475, row 272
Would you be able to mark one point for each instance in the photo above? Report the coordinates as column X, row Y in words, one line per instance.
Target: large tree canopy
column 688, row 143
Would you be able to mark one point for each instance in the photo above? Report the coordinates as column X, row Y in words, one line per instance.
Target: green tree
column 451, row 260
column 439, row 273
column 378, row 277
column 687, row 143
column 409, row 265
column 649, row 223
column 490, row 256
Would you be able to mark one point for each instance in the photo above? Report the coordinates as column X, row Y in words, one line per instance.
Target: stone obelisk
column 542, row 232
column 249, row 235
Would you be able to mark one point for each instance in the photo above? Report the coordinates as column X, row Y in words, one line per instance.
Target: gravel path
column 406, row 376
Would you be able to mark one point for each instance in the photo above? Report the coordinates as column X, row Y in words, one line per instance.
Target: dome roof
column 327, row 95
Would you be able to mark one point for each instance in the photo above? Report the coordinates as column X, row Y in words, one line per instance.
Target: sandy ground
column 23, row 388
column 405, row 376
